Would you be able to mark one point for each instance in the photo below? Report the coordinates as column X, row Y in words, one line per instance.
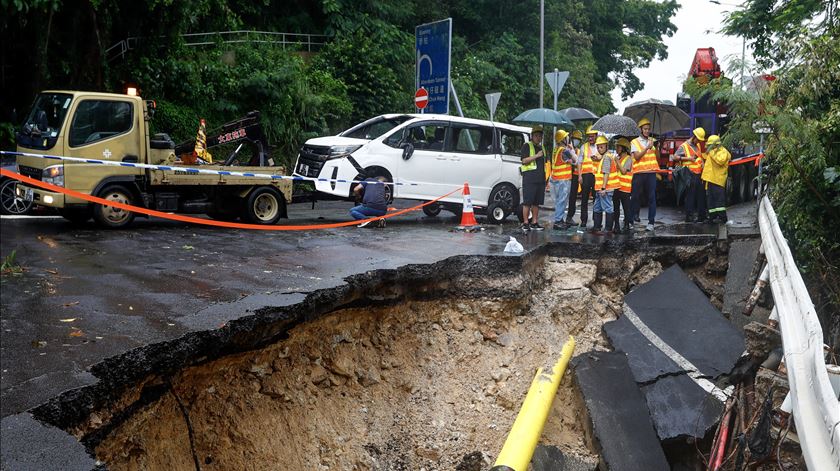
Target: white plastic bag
column 513, row 246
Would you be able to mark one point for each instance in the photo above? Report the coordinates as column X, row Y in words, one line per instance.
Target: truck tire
column 75, row 215
column 264, row 205
column 110, row 217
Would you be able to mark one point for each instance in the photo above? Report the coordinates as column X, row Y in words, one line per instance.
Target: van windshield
column 373, row 128
column 43, row 125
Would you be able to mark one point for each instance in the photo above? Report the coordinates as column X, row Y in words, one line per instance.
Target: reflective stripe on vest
column 648, row 161
column 695, row 165
column 613, row 179
column 533, row 164
column 560, row 170
column 586, row 166
column 625, row 181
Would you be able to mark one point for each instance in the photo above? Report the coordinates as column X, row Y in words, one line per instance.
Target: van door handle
column 455, row 159
column 441, row 157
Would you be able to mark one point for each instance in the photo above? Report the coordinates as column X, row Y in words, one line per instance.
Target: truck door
column 103, row 129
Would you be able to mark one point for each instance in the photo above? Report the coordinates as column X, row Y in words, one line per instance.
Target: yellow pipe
column 526, row 430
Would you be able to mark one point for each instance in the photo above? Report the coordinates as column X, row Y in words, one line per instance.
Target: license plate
column 304, row 169
column 28, row 195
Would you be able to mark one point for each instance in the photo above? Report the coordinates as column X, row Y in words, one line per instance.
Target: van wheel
column 504, row 195
column 109, row 216
column 75, row 215
column 432, row 210
column 9, row 202
column 497, row 213
column 264, row 206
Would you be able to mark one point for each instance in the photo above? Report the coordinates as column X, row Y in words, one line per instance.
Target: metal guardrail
column 301, row 41
column 816, row 408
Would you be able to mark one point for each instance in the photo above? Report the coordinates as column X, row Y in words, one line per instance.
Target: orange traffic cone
column 468, row 221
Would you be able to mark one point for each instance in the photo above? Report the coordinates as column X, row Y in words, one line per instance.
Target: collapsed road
column 365, row 327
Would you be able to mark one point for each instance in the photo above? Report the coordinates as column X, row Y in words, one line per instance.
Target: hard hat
column 713, row 140
column 623, row 142
column 602, row 140
column 560, row 135
column 643, row 122
column 576, row 134
column 700, row 134
column 536, row 129
column 589, row 130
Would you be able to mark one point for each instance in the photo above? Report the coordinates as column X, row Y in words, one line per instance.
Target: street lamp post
column 542, row 49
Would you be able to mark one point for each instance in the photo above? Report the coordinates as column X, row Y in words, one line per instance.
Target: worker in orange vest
column 690, row 154
column 562, row 162
column 606, row 177
column 621, row 196
column 586, row 167
column 577, row 137
column 645, row 167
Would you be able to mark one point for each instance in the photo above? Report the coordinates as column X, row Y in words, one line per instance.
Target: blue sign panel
column 433, row 42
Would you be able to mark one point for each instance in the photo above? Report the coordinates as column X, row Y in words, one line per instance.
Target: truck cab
column 115, row 128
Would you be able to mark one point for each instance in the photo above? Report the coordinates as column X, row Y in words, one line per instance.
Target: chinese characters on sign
column 434, row 49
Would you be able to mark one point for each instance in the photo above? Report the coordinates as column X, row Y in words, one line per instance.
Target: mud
column 385, row 375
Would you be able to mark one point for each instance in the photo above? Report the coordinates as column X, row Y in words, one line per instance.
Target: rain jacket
column 717, row 166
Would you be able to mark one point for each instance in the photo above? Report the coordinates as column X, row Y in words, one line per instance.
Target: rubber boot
column 597, row 219
column 610, row 227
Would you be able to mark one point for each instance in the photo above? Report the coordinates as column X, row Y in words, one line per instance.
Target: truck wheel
column 9, row 203
column 432, row 210
column 264, row 206
column 109, row 216
column 75, row 215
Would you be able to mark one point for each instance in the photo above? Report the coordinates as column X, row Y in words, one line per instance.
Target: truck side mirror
column 408, row 150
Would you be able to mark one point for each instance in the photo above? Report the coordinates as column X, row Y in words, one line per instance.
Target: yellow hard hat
column 623, row 142
column 643, row 122
column 560, row 135
column 576, row 134
column 589, row 130
column 602, row 140
column 700, row 134
column 536, row 129
column 714, row 140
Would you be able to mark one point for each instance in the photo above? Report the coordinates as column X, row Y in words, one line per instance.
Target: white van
column 430, row 155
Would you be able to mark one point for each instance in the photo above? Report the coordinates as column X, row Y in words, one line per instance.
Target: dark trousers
column 644, row 183
column 695, row 197
column 573, row 194
column 716, row 199
column 587, row 188
column 621, row 201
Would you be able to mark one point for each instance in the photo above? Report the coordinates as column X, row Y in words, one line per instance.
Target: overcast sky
column 697, row 24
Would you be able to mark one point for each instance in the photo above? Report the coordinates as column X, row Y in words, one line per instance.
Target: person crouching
column 374, row 202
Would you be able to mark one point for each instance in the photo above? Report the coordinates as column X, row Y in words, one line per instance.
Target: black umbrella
column 617, row 125
column 579, row 114
column 663, row 115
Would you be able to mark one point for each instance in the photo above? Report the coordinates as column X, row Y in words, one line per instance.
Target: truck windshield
column 373, row 128
column 43, row 125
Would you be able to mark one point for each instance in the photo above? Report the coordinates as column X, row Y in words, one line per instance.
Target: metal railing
column 816, row 409
column 300, row 41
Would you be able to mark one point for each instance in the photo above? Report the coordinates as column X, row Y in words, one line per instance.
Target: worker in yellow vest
column 690, row 155
column 577, row 137
column 621, row 196
column 586, row 167
column 645, row 166
column 561, row 177
column 533, row 180
column 606, row 177
column 714, row 177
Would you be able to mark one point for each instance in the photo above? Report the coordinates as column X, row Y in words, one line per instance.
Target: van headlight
column 54, row 175
column 342, row 151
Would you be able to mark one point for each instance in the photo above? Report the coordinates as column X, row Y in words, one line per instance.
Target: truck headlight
column 54, row 175
column 342, row 151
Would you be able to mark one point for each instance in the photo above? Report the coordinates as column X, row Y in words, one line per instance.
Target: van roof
column 458, row 119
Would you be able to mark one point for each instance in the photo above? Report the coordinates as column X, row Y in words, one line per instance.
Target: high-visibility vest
column 696, row 164
column 613, row 178
column 560, row 170
column 625, row 181
column 648, row 161
column 586, row 165
column 533, row 165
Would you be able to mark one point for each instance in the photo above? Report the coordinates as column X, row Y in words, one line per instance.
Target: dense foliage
column 798, row 40
column 366, row 68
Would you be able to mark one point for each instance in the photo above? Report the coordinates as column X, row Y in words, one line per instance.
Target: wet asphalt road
column 87, row 294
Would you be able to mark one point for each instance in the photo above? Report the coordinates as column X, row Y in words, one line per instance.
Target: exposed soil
column 414, row 385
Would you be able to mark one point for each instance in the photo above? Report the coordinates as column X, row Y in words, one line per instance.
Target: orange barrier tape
column 208, row 222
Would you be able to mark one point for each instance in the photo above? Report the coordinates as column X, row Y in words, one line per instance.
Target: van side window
column 511, row 142
column 423, row 136
column 96, row 120
column 472, row 139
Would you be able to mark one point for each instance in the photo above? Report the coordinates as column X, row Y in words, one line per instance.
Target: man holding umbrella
column 533, row 180
column 645, row 166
